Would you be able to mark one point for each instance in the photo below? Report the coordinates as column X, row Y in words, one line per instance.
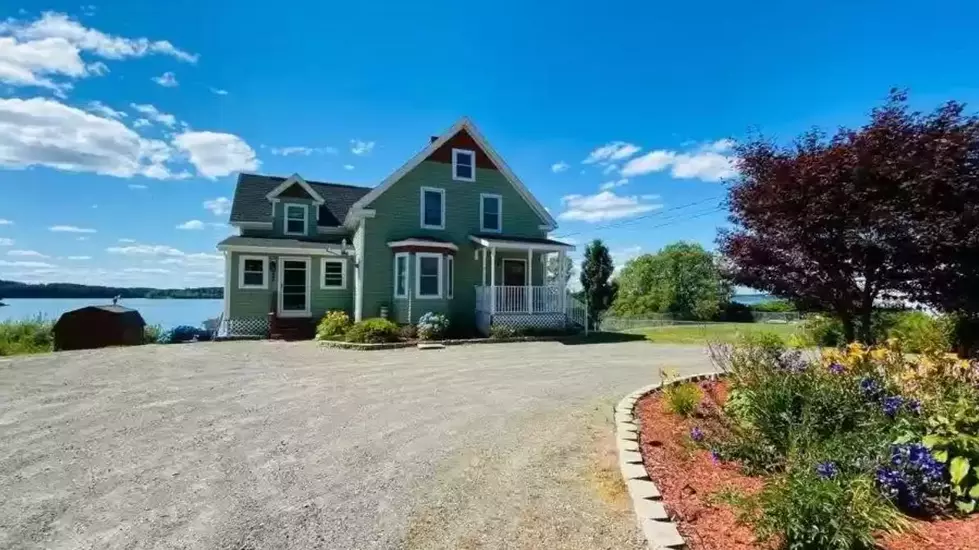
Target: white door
column 294, row 280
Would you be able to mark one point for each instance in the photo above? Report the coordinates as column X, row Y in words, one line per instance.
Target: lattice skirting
column 245, row 326
column 529, row 320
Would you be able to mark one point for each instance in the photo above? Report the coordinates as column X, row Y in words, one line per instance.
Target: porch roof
column 519, row 243
column 282, row 246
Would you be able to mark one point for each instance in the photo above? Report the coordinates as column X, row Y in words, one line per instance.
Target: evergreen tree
column 596, row 269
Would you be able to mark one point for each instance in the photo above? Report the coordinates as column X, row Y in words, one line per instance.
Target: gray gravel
column 275, row 445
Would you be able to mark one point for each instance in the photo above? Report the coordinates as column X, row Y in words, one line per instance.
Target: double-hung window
column 333, row 273
column 428, row 283
column 490, row 213
column 401, row 275
column 253, row 272
column 432, row 208
column 296, row 219
column 463, row 165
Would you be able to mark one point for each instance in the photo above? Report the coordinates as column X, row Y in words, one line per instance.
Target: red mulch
column 688, row 477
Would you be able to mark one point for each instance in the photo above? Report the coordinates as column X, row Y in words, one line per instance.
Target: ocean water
column 752, row 299
column 167, row 313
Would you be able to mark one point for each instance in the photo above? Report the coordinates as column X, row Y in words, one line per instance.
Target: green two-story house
column 453, row 231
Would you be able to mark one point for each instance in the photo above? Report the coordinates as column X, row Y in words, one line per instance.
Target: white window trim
column 499, row 212
column 450, row 273
column 418, row 275
column 285, row 219
column 306, row 312
column 421, row 209
column 406, row 279
column 455, row 153
column 343, row 273
column 526, row 272
column 265, row 273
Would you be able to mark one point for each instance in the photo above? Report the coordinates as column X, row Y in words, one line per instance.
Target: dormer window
column 296, row 219
column 463, row 165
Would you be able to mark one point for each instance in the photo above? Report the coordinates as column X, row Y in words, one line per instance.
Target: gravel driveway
column 255, row 445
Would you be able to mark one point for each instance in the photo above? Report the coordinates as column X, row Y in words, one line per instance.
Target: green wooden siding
column 257, row 302
column 278, row 223
column 398, row 217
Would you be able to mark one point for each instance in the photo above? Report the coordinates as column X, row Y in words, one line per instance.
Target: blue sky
column 123, row 123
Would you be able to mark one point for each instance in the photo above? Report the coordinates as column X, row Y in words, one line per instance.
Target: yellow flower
column 878, row 354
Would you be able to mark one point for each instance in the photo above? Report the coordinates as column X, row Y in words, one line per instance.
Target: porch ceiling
column 520, row 243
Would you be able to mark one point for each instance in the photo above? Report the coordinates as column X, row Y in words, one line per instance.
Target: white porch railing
column 519, row 299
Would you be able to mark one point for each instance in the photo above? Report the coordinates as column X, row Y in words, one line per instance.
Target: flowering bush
column 333, row 325
column 432, row 326
column 913, row 479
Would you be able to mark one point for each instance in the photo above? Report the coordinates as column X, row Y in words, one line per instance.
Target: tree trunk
column 849, row 333
column 966, row 336
column 866, row 325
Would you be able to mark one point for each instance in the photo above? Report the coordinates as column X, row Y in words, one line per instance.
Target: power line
column 644, row 216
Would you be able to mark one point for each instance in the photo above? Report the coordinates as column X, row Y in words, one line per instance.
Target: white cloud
column 613, row 151
column 44, row 132
column 141, row 123
column 613, row 184
column 219, row 207
column 79, row 258
column 145, row 250
column 302, row 150
column 155, row 114
column 168, row 80
column 603, row 206
column 26, row 254
column 359, row 147
column 104, row 110
column 622, row 256
column 127, row 240
column 137, row 186
column 145, row 270
column 559, row 167
column 348, row 166
column 5, row 263
column 610, row 168
column 707, row 162
column 219, row 91
column 6, row 242
column 191, row 224
column 70, row 229
column 216, row 154
column 81, row 238
column 36, row 53
column 5, row 222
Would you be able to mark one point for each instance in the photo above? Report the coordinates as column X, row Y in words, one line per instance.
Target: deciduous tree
column 596, row 269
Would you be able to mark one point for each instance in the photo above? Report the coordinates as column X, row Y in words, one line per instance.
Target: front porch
column 511, row 298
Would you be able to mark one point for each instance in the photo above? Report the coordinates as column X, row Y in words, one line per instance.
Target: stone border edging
column 657, row 528
column 464, row 342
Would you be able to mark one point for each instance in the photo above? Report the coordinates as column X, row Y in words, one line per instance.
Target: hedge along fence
column 615, row 324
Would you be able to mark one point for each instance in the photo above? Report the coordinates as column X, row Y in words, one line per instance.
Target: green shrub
column 807, row 510
column 151, row 333
column 919, row 332
column 501, row 332
column 373, row 331
column 333, row 325
column 823, row 330
column 35, row 335
column 407, row 332
column 953, row 438
column 774, row 306
column 682, row 399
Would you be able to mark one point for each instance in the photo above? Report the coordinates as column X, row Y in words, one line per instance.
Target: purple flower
column 837, row 368
column 913, row 406
column 911, row 477
column 871, row 389
column 827, row 470
column 697, row 434
column 715, row 458
column 892, row 404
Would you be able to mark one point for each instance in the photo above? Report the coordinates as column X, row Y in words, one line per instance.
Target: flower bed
column 857, row 449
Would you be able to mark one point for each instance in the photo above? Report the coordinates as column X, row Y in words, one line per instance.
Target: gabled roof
column 463, row 124
column 251, row 201
column 295, row 179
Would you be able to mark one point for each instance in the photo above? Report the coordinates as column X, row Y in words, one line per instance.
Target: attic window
column 296, row 221
column 463, row 165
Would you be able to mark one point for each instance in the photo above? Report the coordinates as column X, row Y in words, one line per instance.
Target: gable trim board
column 463, row 124
column 295, row 179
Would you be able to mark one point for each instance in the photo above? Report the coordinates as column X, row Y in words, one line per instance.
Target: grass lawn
column 713, row 332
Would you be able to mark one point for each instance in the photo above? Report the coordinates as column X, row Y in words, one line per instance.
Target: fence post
column 587, row 314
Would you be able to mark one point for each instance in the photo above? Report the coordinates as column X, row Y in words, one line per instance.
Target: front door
column 294, row 287
column 514, row 272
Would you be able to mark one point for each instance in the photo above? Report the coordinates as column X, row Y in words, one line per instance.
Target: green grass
column 26, row 336
column 714, row 332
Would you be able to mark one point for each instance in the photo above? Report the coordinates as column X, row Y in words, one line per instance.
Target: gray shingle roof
column 250, row 204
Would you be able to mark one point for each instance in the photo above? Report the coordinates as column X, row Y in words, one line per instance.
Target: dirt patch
column 690, row 479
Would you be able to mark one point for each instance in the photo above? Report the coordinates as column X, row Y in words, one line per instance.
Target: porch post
column 530, row 281
column 492, row 280
column 562, row 281
column 484, row 267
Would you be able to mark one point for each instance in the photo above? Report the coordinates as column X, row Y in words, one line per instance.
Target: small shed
column 98, row 327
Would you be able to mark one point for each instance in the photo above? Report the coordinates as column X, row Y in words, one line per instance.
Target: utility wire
column 644, row 216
